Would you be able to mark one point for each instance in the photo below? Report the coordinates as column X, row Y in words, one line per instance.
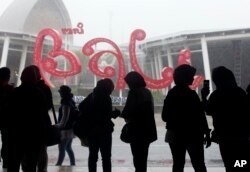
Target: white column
column 129, row 65
column 77, row 78
column 65, row 69
column 120, row 95
column 186, row 47
column 66, row 46
column 152, row 69
column 170, row 59
column 157, row 70
column 95, row 80
column 151, row 62
column 170, row 62
column 206, row 60
column 160, row 66
column 6, row 45
column 160, row 63
column 22, row 63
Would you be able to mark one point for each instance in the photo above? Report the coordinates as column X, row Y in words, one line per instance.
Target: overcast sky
column 116, row 19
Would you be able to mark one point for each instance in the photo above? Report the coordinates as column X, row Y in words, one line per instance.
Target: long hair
column 29, row 75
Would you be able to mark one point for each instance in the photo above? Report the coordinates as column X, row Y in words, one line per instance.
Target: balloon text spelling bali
column 49, row 64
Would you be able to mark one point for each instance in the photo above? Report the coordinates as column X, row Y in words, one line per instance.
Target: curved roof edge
column 64, row 11
column 14, row 17
column 193, row 35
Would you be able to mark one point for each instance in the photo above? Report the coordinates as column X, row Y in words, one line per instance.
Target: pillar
column 6, row 45
column 206, row 63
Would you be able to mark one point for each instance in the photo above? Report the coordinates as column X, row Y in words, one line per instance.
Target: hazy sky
column 116, row 19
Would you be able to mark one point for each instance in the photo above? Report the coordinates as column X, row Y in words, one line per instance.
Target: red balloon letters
column 49, row 64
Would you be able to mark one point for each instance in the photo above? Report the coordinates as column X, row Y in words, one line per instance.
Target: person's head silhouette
column 104, row 87
column 248, row 89
column 184, row 75
column 37, row 71
column 223, row 78
column 4, row 75
column 65, row 92
column 29, row 75
column 134, row 80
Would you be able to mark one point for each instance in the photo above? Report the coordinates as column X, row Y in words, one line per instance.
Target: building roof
column 31, row 16
column 213, row 34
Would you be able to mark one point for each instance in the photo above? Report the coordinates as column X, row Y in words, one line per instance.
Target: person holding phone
column 206, row 84
column 228, row 107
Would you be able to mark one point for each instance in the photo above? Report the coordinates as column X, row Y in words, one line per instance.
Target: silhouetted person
column 66, row 119
column 100, row 126
column 186, row 122
column 43, row 157
column 26, row 124
column 248, row 93
column 228, row 107
column 139, row 113
column 5, row 93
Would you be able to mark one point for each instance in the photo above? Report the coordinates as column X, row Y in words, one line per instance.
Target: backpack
column 73, row 116
column 80, row 126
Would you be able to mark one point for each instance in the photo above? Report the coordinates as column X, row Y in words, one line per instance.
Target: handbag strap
column 54, row 113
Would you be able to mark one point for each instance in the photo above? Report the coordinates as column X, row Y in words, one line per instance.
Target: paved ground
column 123, row 169
column 159, row 159
column 159, row 152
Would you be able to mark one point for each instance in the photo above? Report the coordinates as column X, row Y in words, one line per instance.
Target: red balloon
column 167, row 72
column 49, row 64
column 108, row 71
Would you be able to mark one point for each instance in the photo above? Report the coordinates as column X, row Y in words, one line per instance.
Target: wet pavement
column 159, row 151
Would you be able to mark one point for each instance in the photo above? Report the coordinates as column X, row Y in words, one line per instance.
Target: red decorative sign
column 167, row 72
column 198, row 79
column 184, row 58
column 77, row 30
column 108, row 71
column 48, row 63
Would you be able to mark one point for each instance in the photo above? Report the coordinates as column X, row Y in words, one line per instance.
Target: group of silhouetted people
column 24, row 120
